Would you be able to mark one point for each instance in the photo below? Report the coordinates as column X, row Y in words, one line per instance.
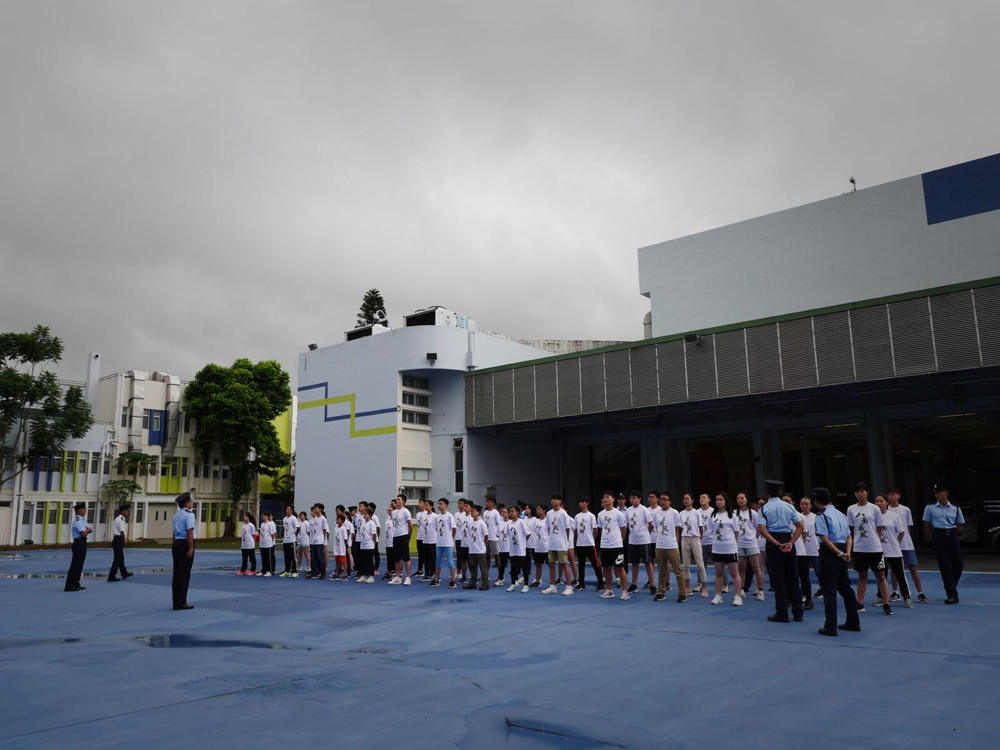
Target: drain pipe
column 18, row 498
column 105, row 447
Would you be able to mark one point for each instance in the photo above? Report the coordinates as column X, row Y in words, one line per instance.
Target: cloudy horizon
column 185, row 183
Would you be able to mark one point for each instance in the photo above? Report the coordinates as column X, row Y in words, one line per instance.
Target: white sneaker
column 759, row 595
column 625, row 596
column 395, row 581
column 608, row 594
column 550, row 590
column 568, row 591
column 407, row 581
column 512, row 587
column 717, row 599
column 370, row 579
column 498, row 582
column 267, row 575
column 725, row 589
column 520, row 582
column 737, row 601
column 526, row 590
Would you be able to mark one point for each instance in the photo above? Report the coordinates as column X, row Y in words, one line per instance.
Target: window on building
column 165, row 470
column 145, row 419
column 107, row 467
column 39, row 514
column 197, row 469
column 26, row 517
column 458, row 447
column 213, row 512
column 53, row 513
column 204, row 471
column 124, row 416
column 104, row 513
column 412, row 381
column 215, row 468
column 70, row 462
column 416, row 417
column 84, row 461
column 156, row 419
column 43, row 464
column 416, row 493
column 184, row 467
column 91, row 509
column 225, row 472
column 187, row 424
column 95, row 463
column 65, row 512
column 416, row 475
column 203, row 513
column 140, row 512
column 152, row 467
column 57, row 464
column 416, row 399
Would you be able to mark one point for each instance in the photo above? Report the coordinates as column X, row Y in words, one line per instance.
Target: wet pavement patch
column 183, row 640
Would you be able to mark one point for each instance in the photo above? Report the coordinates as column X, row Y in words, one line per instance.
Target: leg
column 883, row 586
column 502, row 565
column 957, row 563
column 845, row 591
column 699, row 560
column 718, row 578
column 680, row 572
column 742, row 566
column 862, row 586
column 792, row 593
column 802, row 563
column 661, row 580
column 774, row 567
column 829, row 574
column 649, row 573
column 734, row 571
column 917, row 584
column 896, row 565
column 758, row 570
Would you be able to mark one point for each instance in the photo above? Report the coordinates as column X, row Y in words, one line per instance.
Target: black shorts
column 401, row 547
column 725, row 557
column 865, row 561
column 541, row 558
column 463, row 553
column 638, row 553
column 612, row 557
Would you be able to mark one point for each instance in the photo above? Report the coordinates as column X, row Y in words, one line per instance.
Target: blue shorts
column 910, row 558
column 448, row 555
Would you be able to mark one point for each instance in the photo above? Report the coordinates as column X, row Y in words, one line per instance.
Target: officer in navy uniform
column 183, row 550
column 942, row 522
column 780, row 524
column 80, row 531
column 835, row 539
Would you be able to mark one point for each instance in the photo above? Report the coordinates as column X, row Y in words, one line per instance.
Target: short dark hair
column 893, row 489
column 635, row 493
column 477, row 508
column 556, row 496
column 665, row 495
column 443, row 500
column 584, row 499
column 860, row 487
column 608, row 492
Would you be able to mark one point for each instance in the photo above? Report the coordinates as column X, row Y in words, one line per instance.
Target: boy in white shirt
column 267, row 532
column 478, row 538
column 491, row 517
column 289, row 529
column 402, row 528
column 557, row 527
column 586, row 523
column 891, row 536
column 430, row 542
column 462, row 519
column 368, row 541
column 319, row 535
column 611, row 526
column 445, row 544
column 867, row 525
column 541, row 533
column 692, row 528
column 390, row 551
column 418, row 523
column 341, row 541
column 667, row 530
column 640, row 524
column 906, row 547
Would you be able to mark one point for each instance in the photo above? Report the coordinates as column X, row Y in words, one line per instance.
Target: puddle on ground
column 182, row 640
column 24, row 642
column 91, row 575
column 456, row 600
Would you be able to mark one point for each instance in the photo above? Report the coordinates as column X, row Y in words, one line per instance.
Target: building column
column 879, row 455
column 653, row 458
column 767, row 458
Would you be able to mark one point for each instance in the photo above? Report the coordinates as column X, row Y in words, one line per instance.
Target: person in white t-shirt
column 491, row 517
column 341, row 543
column 891, row 536
column 866, row 523
column 319, row 536
column 418, row 518
column 612, row 525
column 119, row 531
column 723, row 529
column 289, row 530
column 390, row 551
column 560, row 538
column 357, row 518
column 692, row 527
column 586, row 549
column 529, row 541
column 268, row 530
column 640, row 524
column 807, row 551
column 503, row 545
column 906, row 547
column 302, row 543
column 402, row 528
column 445, row 545
column 430, row 542
column 705, row 511
column 541, row 534
column 462, row 520
column 368, row 538
column 248, row 546
column 746, row 545
column 667, row 528
column 478, row 538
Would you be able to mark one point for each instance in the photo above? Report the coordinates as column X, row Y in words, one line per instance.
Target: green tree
column 36, row 417
column 371, row 305
column 122, row 490
column 235, row 408
column 133, row 464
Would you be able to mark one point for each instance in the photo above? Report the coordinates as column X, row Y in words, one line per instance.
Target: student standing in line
column 503, row 546
column 266, row 545
column 667, row 530
column 807, row 551
column 560, row 539
column 357, row 518
column 530, row 539
column 520, row 563
column 906, row 547
column 430, row 541
column 341, row 537
column 746, row 546
column 491, row 517
column 478, row 541
column 368, row 531
column 80, row 530
column 640, row 524
column 780, row 524
column 891, row 536
column 418, row 523
column 622, row 505
column 289, row 529
column 378, row 533
column 402, row 529
column 445, row 544
column 611, row 525
column 585, row 547
column 723, row 530
column 541, row 534
column 119, row 529
column 653, row 503
column 865, row 519
column 705, row 511
column 834, row 535
column 390, row 551
column 692, row 528
column 943, row 523
column 461, row 554
column 319, row 535
column 248, row 546
column 302, row 543
column 185, row 529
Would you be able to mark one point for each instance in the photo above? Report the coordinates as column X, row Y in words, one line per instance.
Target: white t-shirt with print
column 723, row 529
column 747, row 522
column 541, row 534
column 401, row 520
column 366, row 534
column 493, row 519
column 610, row 523
column 691, row 523
column 459, row 524
column 808, row 543
column 418, row 523
column 318, row 529
column 864, row 521
column 517, row 538
column 290, row 524
column 445, row 529
column 503, row 536
column 890, row 535
column 639, row 519
column 303, row 537
column 430, row 527
column 477, row 537
column 557, row 524
column 267, row 533
column 340, row 536
column 705, row 514
column 585, row 523
column 907, row 518
column 246, row 536
column 665, row 527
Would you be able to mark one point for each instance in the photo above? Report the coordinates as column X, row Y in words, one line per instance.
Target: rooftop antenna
column 854, row 184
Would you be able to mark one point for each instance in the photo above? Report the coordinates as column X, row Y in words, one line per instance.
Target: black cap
column 940, row 487
column 124, row 507
column 183, row 498
column 79, row 505
column 621, row 495
column 774, row 486
column 821, row 494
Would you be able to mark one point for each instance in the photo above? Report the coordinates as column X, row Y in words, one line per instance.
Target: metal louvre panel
column 503, row 396
column 644, row 377
column 833, row 348
column 701, row 369
column 545, row 391
column 798, row 356
column 568, row 376
column 482, row 386
column 524, row 394
column 762, row 358
column 618, row 380
column 731, row 362
column 988, row 318
column 872, row 347
column 955, row 331
column 470, row 402
column 912, row 343
column 592, row 383
column 670, row 371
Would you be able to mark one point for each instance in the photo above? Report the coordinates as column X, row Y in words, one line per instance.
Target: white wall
column 872, row 243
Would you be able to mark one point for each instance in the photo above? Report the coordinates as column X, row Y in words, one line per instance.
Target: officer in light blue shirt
column 942, row 521
column 835, row 542
column 80, row 530
column 780, row 524
column 183, row 549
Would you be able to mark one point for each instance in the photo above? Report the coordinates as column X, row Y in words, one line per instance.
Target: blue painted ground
column 295, row 663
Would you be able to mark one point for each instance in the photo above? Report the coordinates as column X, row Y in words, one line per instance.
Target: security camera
column 313, row 347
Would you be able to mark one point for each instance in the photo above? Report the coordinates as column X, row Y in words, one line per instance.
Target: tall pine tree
column 370, row 305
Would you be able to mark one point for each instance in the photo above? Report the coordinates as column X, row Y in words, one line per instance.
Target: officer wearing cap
column 183, row 550
column 80, row 531
column 835, row 543
column 942, row 521
column 780, row 524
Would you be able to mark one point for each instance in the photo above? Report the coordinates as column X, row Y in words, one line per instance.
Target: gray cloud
column 190, row 182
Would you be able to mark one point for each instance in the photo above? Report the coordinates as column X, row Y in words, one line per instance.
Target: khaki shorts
column 558, row 556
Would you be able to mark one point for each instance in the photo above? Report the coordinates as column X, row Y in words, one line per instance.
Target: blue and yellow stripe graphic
column 354, row 415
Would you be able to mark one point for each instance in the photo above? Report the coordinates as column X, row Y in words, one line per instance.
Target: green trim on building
column 59, row 519
column 932, row 292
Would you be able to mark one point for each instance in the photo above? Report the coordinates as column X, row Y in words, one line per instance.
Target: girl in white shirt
column 807, row 551
column 302, row 543
column 247, row 546
column 723, row 529
column 503, row 545
column 746, row 544
column 892, row 534
column 368, row 535
column 541, row 535
column 267, row 533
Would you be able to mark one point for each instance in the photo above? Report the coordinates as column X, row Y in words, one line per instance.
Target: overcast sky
column 192, row 182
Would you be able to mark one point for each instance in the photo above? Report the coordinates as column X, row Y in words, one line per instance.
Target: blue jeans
column 317, row 559
column 448, row 555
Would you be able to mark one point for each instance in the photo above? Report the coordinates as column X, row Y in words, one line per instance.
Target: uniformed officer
column 80, row 531
column 780, row 524
column 835, row 542
column 183, row 550
column 942, row 521
column 118, row 529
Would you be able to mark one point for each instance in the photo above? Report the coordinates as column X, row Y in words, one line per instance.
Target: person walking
column 80, row 531
column 781, row 525
column 942, row 521
column 183, row 550
column 834, row 535
column 119, row 528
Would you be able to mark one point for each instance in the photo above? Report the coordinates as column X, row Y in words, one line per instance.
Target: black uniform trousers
column 833, row 580
column 583, row 554
column 182, row 571
column 76, row 564
column 356, row 556
column 118, row 566
column 783, row 569
column 949, row 557
column 289, row 549
column 420, row 555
